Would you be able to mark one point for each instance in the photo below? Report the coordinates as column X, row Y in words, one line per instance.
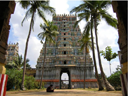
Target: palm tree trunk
column 25, row 54
column 85, row 63
column 94, row 60
column 43, row 64
column 109, row 87
column 110, row 67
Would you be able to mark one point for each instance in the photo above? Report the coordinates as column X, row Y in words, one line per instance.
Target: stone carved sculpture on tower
column 65, row 56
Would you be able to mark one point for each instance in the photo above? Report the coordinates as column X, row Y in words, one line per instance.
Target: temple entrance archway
column 65, row 83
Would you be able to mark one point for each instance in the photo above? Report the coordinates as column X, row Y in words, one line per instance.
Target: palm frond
column 108, row 18
column 24, row 4
column 86, row 14
column 76, row 23
column 41, row 14
column 78, row 8
column 48, row 9
column 87, row 28
column 28, row 14
column 104, row 4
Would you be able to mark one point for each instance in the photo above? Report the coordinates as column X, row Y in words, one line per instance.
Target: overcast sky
column 107, row 36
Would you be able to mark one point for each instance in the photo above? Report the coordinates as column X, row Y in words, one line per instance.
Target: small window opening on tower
column 64, row 25
column 64, row 33
column 64, row 52
column 64, row 44
column 65, row 62
column 64, row 38
column 64, row 29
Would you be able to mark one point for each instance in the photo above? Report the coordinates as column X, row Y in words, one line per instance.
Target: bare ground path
column 64, row 92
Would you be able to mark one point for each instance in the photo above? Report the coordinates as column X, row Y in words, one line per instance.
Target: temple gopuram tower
column 11, row 52
column 65, row 56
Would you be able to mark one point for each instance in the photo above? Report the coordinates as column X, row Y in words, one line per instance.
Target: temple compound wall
column 65, row 56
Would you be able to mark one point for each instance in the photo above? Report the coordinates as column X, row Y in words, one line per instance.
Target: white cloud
column 21, row 32
column 61, row 6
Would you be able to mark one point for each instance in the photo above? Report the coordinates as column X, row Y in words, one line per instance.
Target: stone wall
column 6, row 9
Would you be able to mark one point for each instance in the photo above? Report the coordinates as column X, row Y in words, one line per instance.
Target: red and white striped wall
column 3, row 83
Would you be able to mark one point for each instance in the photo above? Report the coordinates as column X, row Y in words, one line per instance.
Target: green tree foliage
column 108, row 55
column 17, row 63
column 48, row 34
column 114, row 79
column 30, row 83
column 15, row 80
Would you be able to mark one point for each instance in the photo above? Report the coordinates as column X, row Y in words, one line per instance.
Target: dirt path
column 64, row 92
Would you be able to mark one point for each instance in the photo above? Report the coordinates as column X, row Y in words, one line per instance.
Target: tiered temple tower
column 12, row 52
column 65, row 56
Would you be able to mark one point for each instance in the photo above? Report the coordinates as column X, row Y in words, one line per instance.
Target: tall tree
column 32, row 7
column 99, row 11
column 48, row 34
column 85, row 13
column 85, row 44
column 108, row 55
column 96, row 10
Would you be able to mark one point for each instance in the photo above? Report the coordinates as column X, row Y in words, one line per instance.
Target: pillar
column 7, row 8
column 120, row 8
column 5, row 14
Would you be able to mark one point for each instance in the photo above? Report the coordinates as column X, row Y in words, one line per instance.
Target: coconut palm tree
column 86, row 41
column 86, row 14
column 48, row 34
column 17, row 63
column 96, row 10
column 85, row 44
column 32, row 7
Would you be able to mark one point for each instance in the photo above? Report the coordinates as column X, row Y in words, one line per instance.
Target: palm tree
column 33, row 7
column 85, row 14
column 108, row 55
column 99, row 10
column 86, row 34
column 95, row 10
column 48, row 34
column 17, row 63
column 85, row 44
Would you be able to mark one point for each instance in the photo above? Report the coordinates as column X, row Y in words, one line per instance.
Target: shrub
column 114, row 79
column 15, row 80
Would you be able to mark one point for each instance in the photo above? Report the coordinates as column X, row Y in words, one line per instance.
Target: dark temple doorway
column 65, row 81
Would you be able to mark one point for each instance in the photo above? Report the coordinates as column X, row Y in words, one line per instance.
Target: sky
column 107, row 36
